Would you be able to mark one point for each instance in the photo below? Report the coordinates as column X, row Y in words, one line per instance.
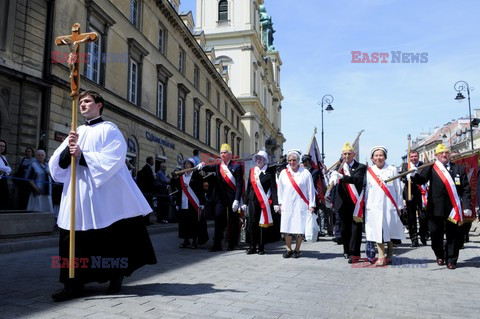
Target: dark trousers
column 351, row 232
column 337, row 231
column 188, row 224
column 454, row 233
column 225, row 219
column 255, row 232
column 413, row 207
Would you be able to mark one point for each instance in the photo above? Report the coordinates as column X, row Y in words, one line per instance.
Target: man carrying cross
column 109, row 205
column 102, row 233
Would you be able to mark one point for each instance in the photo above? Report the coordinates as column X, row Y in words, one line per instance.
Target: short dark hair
column 195, row 152
column 416, row 152
column 5, row 151
column 149, row 158
column 96, row 97
column 30, row 148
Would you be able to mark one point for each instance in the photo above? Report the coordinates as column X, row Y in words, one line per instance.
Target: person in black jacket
column 226, row 197
column 414, row 205
column 350, row 180
column 449, row 202
column 262, row 202
column 190, row 204
column 146, row 183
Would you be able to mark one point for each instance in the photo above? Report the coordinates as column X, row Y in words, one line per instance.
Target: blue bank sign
column 156, row 139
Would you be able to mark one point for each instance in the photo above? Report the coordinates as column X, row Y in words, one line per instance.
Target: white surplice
column 294, row 208
column 106, row 191
column 381, row 217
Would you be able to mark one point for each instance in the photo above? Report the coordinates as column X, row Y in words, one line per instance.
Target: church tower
column 241, row 33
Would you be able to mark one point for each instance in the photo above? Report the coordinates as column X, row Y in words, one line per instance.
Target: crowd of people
column 275, row 201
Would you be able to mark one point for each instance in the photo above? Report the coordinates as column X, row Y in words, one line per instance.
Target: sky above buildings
column 389, row 100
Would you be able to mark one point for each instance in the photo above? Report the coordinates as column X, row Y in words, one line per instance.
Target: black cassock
column 191, row 225
column 257, row 234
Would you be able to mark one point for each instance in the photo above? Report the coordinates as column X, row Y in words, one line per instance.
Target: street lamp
column 459, row 87
column 326, row 99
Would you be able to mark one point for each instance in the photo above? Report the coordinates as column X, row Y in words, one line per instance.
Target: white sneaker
column 405, row 230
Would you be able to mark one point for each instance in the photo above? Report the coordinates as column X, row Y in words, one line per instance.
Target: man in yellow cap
column 350, row 189
column 226, row 196
column 449, row 202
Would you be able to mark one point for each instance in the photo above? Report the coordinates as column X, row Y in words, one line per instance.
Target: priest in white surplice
column 109, row 205
column 296, row 197
column 382, row 202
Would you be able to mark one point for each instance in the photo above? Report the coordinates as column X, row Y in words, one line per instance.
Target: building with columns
column 241, row 34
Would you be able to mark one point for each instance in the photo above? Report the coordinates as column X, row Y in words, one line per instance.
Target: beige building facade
column 160, row 82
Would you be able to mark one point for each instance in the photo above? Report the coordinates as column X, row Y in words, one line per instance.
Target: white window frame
column 133, row 82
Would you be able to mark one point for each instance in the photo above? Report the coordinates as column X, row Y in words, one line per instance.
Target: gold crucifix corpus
column 73, row 41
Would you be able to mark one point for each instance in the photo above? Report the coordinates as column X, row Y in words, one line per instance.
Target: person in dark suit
column 414, row 205
column 190, row 202
column 350, row 180
column 146, row 183
column 449, row 201
column 307, row 164
column 262, row 202
column 226, row 197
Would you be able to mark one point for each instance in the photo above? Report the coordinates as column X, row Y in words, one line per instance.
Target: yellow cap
column 347, row 147
column 441, row 148
column 225, row 147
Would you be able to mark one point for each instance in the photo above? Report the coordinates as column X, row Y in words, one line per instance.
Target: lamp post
column 459, row 87
column 326, row 99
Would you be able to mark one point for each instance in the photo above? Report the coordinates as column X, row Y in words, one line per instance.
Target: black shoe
column 230, row 248
column 354, row 259
column 346, row 256
column 414, row 243
column 288, row 254
column 68, row 293
column 251, row 251
column 185, row 244
column 115, row 285
column 215, row 248
column 423, row 239
column 296, row 254
column 261, row 252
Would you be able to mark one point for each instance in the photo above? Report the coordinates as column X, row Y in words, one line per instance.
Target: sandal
column 381, row 262
column 296, row 254
column 288, row 254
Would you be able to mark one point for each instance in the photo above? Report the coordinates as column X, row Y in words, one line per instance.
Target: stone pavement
column 190, row 283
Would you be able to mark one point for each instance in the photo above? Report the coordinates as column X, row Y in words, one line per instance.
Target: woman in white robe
column 293, row 206
column 382, row 221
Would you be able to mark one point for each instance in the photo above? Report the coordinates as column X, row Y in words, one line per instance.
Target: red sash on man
column 382, row 186
column 358, row 200
column 188, row 191
column 295, row 185
column 456, row 215
column 266, row 215
column 227, row 176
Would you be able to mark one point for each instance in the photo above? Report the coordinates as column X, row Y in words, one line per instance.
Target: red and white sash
column 456, row 215
column 424, row 192
column 188, row 191
column 358, row 200
column 266, row 215
column 382, row 186
column 227, row 176
column 295, row 185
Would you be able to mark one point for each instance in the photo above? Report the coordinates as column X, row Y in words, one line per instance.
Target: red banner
column 470, row 163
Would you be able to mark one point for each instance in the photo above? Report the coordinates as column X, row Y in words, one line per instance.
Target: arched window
column 223, row 10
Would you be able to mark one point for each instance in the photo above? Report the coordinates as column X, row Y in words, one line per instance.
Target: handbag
column 311, row 227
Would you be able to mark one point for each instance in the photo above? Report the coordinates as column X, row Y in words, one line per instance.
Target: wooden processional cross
column 73, row 41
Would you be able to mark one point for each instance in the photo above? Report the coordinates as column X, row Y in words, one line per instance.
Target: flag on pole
column 317, row 163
